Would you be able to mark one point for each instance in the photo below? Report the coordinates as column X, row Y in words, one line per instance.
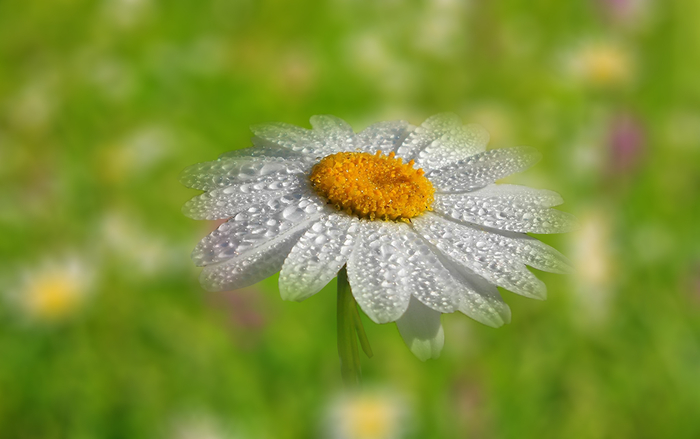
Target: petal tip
column 506, row 315
column 531, row 155
column 565, row 266
column 428, row 349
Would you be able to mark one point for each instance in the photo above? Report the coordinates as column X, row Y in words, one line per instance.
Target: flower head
column 626, row 140
column 413, row 212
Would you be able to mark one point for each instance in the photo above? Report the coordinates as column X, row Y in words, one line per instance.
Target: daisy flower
column 412, row 212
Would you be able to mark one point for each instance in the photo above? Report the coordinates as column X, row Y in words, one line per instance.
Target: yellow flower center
column 370, row 419
column 54, row 297
column 607, row 65
column 373, row 186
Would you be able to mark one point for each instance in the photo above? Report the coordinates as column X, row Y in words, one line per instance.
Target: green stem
column 349, row 329
column 364, row 341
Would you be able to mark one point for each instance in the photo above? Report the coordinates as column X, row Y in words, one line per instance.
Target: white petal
column 253, row 265
column 457, row 144
column 430, row 281
column 430, row 130
column 518, row 246
column 226, row 202
column 330, row 135
column 334, row 132
column 467, row 247
column 376, row 277
column 517, row 194
column 483, row 169
column 528, row 250
column 255, row 226
column 384, row 136
column 479, row 299
column 421, row 330
column 318, row 256
column 328, row 126
column 485, row 309
column 293, row 137
column 265, row 148
column 391, row 264
column 513, row 210
column 224, row 172
column 441, row 140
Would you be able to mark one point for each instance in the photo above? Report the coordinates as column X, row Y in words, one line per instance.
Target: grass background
column 102, row 103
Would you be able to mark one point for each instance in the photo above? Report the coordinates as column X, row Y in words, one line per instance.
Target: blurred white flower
column 34, row 105
column 136, row 153
column 370, row 55
column 112, row 77
column 126, row 14
column 54, row 289
column 369, row 52
column 367, row 414
column 440, row 29
column 594, row 266
column 143, row 250
column 589, row 153
column 199, row 425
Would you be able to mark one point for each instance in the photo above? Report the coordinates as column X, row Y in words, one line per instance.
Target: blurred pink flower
column 626, row 139
column 201, row 425
column 628, row 13
column 470, row 402
column 242, row 307
column 691, row 283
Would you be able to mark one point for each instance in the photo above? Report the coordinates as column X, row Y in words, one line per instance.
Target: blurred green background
column 105, row 332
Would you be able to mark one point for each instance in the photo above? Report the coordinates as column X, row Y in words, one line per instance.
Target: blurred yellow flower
column 144, row 251
column 55, row 289
column 367, row 415
column 602, row 63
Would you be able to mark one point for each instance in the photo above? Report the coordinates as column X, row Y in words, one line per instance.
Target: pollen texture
column 373, row 186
